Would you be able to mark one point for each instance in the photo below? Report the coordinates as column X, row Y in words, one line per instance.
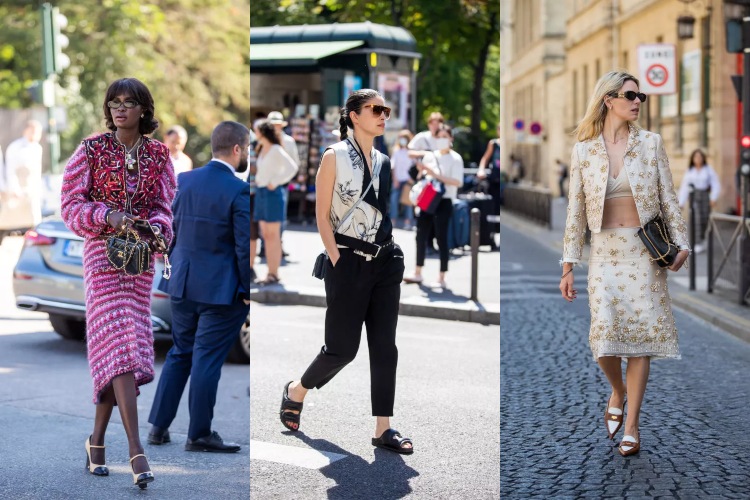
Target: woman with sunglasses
column 364, row 270
column 111, row 181
column 619, row 181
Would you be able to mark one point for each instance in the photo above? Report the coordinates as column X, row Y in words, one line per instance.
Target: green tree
column 192, row 54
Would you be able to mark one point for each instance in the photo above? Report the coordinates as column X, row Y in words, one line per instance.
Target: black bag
column 655, row 235
column 319, row 269
column 127, row 252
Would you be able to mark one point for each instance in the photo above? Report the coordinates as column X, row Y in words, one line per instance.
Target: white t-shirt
column 400, row 164
column 423, row 141
column 448, row 165
column 290, row 146
column 181, row 163
column 275, row 167
column 703, row 178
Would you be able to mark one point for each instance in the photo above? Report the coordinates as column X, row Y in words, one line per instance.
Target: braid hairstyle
column 354, row 103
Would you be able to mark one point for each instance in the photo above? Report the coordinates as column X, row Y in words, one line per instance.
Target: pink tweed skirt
column 118, row 320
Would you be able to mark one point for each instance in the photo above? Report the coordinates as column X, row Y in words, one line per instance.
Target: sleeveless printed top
column 369, row 221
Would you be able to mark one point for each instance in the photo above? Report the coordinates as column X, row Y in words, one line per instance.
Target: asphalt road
column 46, row 414
column 447, row 401
column 694, row 419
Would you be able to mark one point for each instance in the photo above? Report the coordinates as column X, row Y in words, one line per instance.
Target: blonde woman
column 620, row 180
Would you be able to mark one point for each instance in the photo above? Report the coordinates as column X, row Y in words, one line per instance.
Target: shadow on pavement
column 385, row 478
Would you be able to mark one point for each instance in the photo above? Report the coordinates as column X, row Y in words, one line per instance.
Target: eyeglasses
column 630, row 95
column 128, row 103
column 378, row 110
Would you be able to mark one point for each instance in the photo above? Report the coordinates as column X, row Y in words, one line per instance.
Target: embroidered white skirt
column 631, row 310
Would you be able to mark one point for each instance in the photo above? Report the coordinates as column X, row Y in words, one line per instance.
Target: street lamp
column 685, row 26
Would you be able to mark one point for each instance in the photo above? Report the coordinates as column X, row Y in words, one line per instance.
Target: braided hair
column 354, row 103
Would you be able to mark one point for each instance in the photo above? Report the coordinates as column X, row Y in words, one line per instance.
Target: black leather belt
column 366, row 249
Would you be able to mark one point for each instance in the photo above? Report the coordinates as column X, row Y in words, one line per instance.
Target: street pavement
column 299, row 287
column 553, row 440
column 46, row 414
column 447, row 401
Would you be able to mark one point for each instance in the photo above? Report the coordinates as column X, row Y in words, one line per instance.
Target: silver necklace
column 129, row 160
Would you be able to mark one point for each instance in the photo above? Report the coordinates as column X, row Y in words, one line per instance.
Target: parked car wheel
column 69, row 328
column 240, row 352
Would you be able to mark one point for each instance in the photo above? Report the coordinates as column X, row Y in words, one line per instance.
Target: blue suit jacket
column 210, row 255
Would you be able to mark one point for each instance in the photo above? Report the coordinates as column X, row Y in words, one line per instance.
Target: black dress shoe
column 211, row 443
column 157, row 435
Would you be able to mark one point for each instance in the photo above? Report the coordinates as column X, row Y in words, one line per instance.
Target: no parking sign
column 656, row 68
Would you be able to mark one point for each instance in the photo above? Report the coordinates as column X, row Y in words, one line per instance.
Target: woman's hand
column 334, row 261
column 119, row 220
column 682, row 256
column 566, row 287
column 270, row 187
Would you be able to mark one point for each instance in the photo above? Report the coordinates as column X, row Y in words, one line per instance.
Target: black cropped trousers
column 362, row 292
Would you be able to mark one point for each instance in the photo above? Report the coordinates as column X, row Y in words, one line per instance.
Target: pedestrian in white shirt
column 22, row 191
column 290, row 146
column 426, row 141
column 274, row 169
column 447, row 167
column 176, row 139
column 400, row 165
column 707, row 188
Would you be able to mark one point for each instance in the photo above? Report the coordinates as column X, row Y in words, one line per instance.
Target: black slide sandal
column 391, row 440
column 285, row 414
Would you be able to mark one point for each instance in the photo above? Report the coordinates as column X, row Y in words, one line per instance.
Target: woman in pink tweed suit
column 111, row 180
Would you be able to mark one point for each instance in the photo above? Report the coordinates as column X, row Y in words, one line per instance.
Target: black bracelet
column 567, row 273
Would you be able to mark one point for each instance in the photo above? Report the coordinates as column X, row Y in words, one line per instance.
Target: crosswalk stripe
column 292, row 455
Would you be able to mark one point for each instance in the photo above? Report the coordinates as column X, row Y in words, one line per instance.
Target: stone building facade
column 553, row 52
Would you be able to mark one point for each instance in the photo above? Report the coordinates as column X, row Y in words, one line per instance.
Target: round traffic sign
column 657, row 75
column 518, row 124
column 535, row 128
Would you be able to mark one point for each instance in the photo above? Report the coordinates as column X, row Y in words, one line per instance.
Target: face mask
column 403, row 142
column 443, row 143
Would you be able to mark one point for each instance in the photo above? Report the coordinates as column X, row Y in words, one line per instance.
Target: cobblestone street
column 694, row 421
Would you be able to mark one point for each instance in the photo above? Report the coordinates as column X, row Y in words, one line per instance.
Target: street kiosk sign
column 656, row 68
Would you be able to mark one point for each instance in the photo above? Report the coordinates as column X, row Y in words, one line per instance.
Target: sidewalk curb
column 722, row 318
column 472, row 312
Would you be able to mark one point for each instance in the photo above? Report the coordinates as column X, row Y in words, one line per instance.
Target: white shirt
column 400, row 164
column 703, row 178
column 423, row 141
column 290, row 146
column 275, row 167
column 448, row 165
column 23, row 167
column 181, row 163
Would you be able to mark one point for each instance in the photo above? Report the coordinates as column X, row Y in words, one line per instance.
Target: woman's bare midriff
column 620, row 212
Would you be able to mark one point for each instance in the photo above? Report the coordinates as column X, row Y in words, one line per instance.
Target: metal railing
column 532, row 202
column 732, row 233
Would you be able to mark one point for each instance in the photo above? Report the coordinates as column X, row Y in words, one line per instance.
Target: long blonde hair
column 592, row 123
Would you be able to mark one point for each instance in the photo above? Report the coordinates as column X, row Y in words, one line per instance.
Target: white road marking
column 292, row 455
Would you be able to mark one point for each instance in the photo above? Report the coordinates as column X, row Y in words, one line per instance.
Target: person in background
column 425, row 142
column 23, row 177
column 275, row 168
column 707, row 188
column 491, row 162
column 253, row 169
column 446, row 166
column 517, row 171
column 176, row 139
column 562, row 174
column 290, row 147
column 400, row 164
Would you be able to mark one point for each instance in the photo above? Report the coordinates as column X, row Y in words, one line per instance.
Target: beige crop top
column 618, row 188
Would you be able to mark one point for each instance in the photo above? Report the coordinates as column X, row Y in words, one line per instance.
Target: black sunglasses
column 377, row 110
column 630, row 95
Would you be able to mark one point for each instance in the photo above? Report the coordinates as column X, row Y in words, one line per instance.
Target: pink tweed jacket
column 118, row 306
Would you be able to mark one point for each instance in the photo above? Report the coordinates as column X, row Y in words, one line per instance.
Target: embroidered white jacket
column 647, row 167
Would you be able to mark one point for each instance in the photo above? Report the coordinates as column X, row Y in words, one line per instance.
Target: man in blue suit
column 209, row 287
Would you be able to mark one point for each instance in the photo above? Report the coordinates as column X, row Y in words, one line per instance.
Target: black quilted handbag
column 129, row 253
column 655, row 235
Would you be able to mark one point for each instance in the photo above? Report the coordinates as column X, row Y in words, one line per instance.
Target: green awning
column 302, row 53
